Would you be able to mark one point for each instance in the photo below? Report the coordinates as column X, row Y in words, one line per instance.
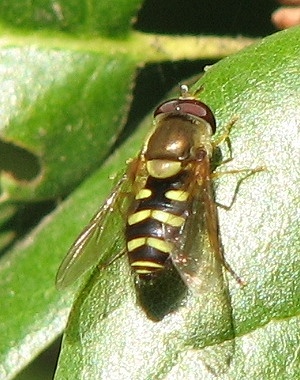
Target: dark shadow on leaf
column 161, row 295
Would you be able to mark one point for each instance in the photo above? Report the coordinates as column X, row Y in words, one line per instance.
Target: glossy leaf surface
column 260, row 236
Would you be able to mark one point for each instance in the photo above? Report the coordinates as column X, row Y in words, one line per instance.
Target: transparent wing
column 95, row 241
column 199, row 260
column 198, row 253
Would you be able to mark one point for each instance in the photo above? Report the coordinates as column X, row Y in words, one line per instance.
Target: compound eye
column 188, row 106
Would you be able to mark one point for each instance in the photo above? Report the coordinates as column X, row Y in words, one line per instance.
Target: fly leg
column 249, row 172
column 215, row 239
column 224, row 138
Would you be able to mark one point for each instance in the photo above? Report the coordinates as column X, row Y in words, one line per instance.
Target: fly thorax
column 163, row 168
column 177, row 141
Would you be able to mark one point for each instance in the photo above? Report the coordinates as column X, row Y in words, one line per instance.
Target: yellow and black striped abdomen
column 155, row 222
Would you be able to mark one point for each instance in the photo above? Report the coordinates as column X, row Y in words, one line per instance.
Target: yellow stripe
column 144, row 193
column 161, row 245
column 161, row 216
column 143, row 271
column 136, row 243
column 139, row 216
column 166, row 217
column 149, row 264
column 177, row 195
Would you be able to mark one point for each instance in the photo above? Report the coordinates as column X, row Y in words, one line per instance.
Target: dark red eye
column 188, row 106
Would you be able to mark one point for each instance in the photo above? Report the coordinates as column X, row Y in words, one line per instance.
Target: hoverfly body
column 169, row 201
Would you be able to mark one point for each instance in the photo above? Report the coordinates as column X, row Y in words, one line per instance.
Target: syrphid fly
column 162, row 213
column 164, row 205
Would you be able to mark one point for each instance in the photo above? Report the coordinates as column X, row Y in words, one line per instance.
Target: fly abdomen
column 148, row 255
column 155, row 223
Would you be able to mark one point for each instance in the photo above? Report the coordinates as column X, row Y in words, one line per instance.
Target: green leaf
column 34, row 313
column 52, row 138
column 64, row 102
column 108, row 333
column 71, row 15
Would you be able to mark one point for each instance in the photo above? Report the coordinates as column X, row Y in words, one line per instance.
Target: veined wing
column 199, row 260
column 96, row 241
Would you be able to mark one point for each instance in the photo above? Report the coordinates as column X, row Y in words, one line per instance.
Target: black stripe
column 151, row 228
column 158, row 200
column 147, row 253
column 148, row 227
